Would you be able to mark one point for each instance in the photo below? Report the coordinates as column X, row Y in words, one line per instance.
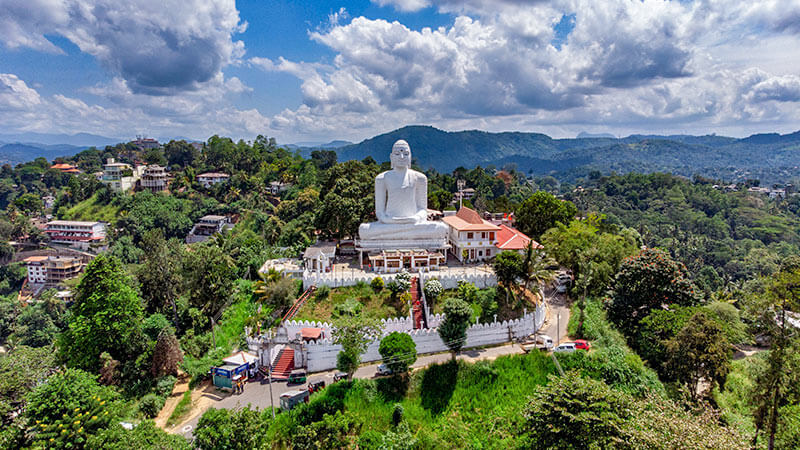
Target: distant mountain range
column 765, row 156
column 769, row 157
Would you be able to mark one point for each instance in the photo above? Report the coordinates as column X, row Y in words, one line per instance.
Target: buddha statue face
column 400, row 157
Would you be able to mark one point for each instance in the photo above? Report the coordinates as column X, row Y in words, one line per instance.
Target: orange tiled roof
column 512, row 239
column 467, row 219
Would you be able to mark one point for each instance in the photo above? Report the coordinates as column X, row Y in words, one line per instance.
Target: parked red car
column 582, row 345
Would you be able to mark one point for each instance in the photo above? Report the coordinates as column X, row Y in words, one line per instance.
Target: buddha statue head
column 400, row 158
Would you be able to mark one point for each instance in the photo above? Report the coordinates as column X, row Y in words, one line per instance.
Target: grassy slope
column 378, row 304
column 91, row 209
column 477, row 405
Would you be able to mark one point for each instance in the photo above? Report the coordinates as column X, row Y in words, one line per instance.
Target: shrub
column 153, row 325
column 165, row 385
column 397, row 414
column 433, row 289
column 398, row 351
column 349, row 307
column 322, row 292
column 150, row 405
column 370, row 440
column 377, row 284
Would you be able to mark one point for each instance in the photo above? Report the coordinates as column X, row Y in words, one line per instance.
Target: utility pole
column 269, row 377
column 461, row 184
column 558, row 329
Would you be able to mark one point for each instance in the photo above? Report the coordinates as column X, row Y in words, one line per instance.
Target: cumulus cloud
column 159, row 47
column 496, row 67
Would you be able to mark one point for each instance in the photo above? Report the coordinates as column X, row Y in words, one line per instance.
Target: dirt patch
column 181, row 386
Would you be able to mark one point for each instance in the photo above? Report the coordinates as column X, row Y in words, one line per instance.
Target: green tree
column 508, row 267
column 573, row 412
column 159, row 275
column 699, row 352
column 353, row 333
column 22, row 369
column 433, row 290
column 106, row 317
column 166, row 355
column 69, row 408
column 238, row 429
column 209, row 278
column 398, row 351
column 348, row 200
column 541, row 211
column 144, row 436
column 776, row 383
column 537, row 266
column 453, row 329
column 648, row 280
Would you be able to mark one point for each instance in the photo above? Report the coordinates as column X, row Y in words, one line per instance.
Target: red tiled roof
column 512, row 239
column 311, row 333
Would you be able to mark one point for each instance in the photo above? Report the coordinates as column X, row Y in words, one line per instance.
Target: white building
column 319, row 257
column 155, row 178
column 276, row 187
column 471, row 237
column 52, row 270
column 119, row 176
column 209, row 179
column 75, row 233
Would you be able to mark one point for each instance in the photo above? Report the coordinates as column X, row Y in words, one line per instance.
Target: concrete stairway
column 283, row 365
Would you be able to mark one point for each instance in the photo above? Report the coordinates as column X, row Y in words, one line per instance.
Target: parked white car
column 544, row 342
column 567, row 347
column 384, row 370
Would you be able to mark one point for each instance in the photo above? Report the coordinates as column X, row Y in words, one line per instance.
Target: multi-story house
column 211, row 178
column 155, row 178
column 75, row 233
column 52, row 270
column 471, row 237
column 206, row 227
column 119, row 176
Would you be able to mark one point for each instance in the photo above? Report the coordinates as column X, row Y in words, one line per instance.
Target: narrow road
column 556, row 305
column 256, row 393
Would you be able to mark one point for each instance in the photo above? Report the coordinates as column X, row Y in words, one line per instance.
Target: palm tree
column 536, row 266
column 265, row 281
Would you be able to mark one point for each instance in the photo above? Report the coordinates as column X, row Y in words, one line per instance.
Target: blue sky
column 317, row 71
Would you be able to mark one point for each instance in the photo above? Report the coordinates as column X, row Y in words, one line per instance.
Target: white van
column 567, row 347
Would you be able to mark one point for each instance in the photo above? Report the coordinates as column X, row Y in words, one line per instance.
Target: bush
column 397, row 414
column 322, row 292
column 165, row 385
column 150, row 405
column 370, row 440
column 398, row 351
column 153, row 325
column 377, row 284
column 349, row 307
column 433, row 289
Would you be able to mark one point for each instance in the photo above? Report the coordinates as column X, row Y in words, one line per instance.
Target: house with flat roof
column 206, row 227
column 75, row 233
column 52, row 270
column 119, row 177
column 471, row 237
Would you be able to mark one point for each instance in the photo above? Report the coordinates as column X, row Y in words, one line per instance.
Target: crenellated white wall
column 321, row 355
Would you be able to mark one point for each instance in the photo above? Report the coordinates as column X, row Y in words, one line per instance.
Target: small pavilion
column 414, row 260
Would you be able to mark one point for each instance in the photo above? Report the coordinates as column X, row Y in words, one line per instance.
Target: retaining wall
column 448, row 278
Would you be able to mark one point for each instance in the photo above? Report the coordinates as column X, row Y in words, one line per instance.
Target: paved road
column 256, row 393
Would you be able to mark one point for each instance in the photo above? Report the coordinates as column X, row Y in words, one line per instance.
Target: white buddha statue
column 401, row 203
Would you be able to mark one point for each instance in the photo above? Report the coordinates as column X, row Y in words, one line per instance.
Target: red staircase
column 284, row 365
column 299, row 303
column 416, row 305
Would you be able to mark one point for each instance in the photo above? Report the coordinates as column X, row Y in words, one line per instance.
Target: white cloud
column 158, row 46
column 404, row 5
column 626, row 64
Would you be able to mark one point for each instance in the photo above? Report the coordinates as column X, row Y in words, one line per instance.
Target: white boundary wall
column 448, row 278
column 321, row 355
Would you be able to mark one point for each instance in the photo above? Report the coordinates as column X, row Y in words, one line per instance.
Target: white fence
column 321, row 355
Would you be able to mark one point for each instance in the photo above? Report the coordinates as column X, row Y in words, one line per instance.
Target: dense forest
column 656, row 257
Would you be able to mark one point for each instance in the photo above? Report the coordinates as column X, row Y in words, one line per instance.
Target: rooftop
column 213, row 175
column 467, row 219
column 512, row 239
column 73, row 223
column 320, row 248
